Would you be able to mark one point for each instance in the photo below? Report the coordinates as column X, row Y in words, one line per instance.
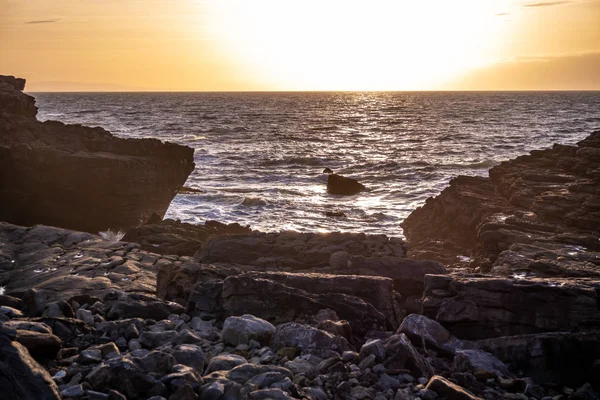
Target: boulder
column 479, row 363
column 21, row 377
column 266, row 299
column 241, row 330
column 78, row 177
column 305, row 337
column 338, row 184
column 423, row 331
column 481, row 307
column 401, row 354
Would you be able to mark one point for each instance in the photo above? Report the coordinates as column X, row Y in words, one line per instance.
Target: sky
column 231, row 45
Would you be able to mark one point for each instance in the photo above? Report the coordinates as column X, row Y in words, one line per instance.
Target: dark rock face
column 478, row 307
column 337, row 184
column 78, row 177
column 565, row 358
column 21, row 377
column 536, row 213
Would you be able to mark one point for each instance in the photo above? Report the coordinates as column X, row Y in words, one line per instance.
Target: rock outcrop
column 337, row 184
column 78, row 177
column 478, row 307
column 537, row 213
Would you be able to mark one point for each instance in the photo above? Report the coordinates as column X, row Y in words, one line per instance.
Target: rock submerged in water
column 337, row 184
column 78, row 177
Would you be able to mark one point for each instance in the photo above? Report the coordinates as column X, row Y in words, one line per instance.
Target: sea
column 260, row 155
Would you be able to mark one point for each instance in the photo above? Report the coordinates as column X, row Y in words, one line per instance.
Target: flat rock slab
column 67, row 263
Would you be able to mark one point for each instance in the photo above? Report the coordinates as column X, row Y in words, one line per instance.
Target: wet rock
column 92, row 181
column 449, row 390
column 240, row 330
column 337, row 184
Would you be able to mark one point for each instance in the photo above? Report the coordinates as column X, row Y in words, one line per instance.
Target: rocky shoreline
column 470, row 307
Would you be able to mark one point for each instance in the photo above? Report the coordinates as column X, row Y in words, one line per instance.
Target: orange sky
column 301, row 45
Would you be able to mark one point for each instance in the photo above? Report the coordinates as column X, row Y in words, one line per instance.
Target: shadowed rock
column 78, row 177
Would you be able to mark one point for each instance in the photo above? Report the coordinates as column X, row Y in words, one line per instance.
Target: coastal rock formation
column 296, row 251
column 242, row 331
column 78, row 177
column 538, row 213
column 337, row 184
column 478, row 307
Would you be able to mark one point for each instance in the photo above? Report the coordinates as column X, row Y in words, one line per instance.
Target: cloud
column 546, row 4
column 502, row 14
column 42, row 21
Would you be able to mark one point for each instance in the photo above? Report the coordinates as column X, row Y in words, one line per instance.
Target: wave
column 314, row 161
column 253, row 202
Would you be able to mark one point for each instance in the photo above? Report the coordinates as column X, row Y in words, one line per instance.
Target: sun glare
column 356, row 45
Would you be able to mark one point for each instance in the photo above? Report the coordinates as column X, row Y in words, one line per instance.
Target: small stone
column 131, row 332
column 73, row 392
column 90, row 356
column 85, row 316
column 367, row 362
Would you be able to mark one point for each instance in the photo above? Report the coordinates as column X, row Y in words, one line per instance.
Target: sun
column 355, row 45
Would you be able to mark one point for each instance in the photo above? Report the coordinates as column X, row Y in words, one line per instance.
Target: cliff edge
column 78, row 177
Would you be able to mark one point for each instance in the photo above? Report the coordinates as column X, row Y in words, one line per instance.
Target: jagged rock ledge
column 78, row 177
column 537, row 215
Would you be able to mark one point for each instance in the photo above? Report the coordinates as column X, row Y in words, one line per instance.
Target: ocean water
column 259, row 156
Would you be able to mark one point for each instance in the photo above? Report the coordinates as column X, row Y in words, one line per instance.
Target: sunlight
column 341, row 45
